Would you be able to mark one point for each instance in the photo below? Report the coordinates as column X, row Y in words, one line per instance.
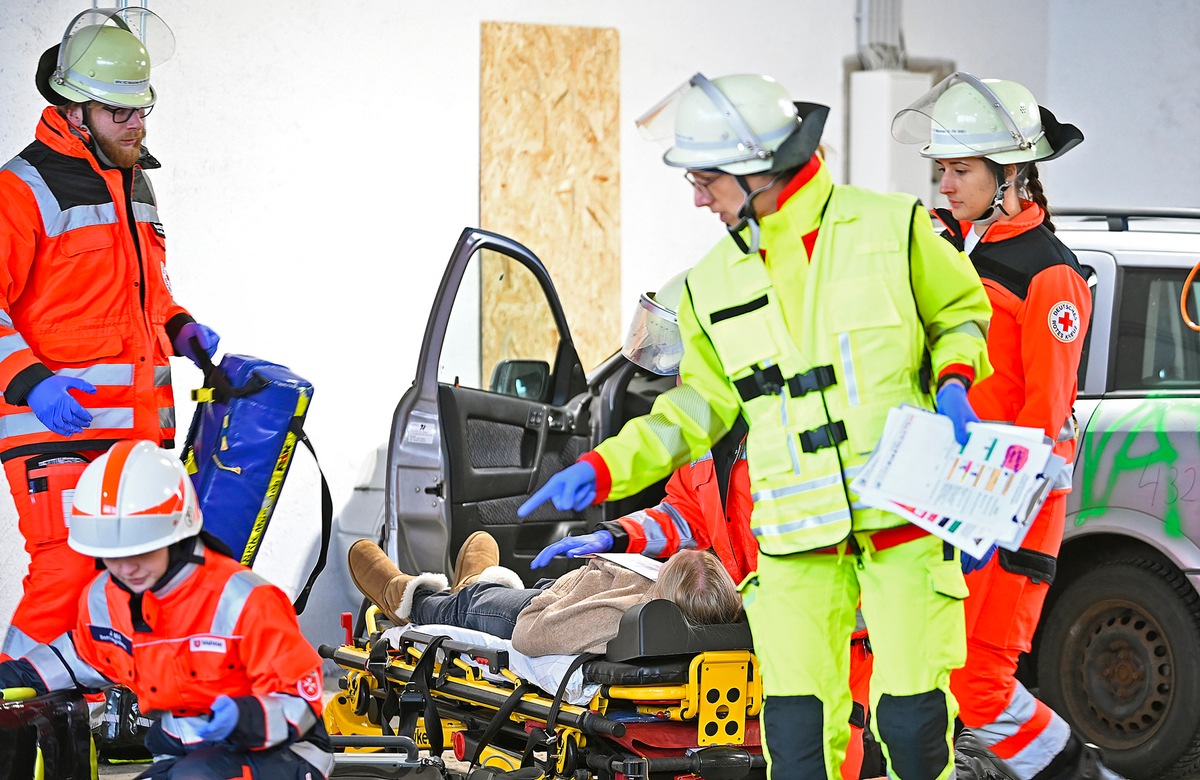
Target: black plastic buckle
column 764, row 381
column 816, row 378
column 828, row 435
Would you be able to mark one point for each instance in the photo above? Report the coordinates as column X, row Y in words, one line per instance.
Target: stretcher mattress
column 544, row 671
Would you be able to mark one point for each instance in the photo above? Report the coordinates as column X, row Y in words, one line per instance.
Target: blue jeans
column 484, row 606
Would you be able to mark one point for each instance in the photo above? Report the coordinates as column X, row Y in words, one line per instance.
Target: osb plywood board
column 549, row 161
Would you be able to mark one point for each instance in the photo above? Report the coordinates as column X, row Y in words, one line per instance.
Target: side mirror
column 521, row 379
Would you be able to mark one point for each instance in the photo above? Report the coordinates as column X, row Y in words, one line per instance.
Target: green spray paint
column 1114, row 446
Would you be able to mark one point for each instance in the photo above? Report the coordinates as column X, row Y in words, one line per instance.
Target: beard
column 119, row 155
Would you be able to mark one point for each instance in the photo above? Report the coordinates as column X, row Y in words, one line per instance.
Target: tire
column 1119, row 661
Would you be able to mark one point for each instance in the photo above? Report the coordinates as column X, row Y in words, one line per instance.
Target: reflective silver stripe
column 850, row 382
column 23, row 424
column 17, row 643
column 799, row 487
column 295, row 710
column 145, row 212
column 694, row 406
column 162, row 376
column 116, row 374
column 275, row 722
column 1037, row 753
column 1065, row 478
column 1067, row 432
column 56, row 669
column 54, row 219
column 5, row 320
column 971, row 328
column 98, row 602
column 166, row 417
column 322, row 760
column 122, row 86
column 183, row 728
column 233, row 600
column 12, row 344
column 791, row 440
column 812, row 521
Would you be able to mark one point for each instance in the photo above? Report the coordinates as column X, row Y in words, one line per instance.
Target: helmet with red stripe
column 133, row 499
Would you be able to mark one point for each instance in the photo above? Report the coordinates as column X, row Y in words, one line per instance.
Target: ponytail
column 1032, row 186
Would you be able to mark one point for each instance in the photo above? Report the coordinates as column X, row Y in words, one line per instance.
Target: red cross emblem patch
column 1064, row 321
column 309, row 686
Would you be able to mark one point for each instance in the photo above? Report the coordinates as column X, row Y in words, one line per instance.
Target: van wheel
column 1119, row 661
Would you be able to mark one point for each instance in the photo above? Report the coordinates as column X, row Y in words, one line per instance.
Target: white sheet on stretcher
column 544, row 671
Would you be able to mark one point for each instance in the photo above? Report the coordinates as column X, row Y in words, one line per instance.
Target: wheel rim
column 1125, row 670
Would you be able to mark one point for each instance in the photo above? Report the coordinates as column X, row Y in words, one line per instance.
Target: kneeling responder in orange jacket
column 208, row 646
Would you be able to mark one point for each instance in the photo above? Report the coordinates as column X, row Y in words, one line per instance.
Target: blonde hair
column 698, row 583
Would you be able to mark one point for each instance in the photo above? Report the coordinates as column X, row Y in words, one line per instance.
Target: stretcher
column 666, row 700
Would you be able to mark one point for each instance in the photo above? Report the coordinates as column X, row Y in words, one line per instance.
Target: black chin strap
column 989, row 214
column 748, row 215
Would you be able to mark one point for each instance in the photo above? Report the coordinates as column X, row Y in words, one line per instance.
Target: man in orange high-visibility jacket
column 208, row 646
column 87, row 317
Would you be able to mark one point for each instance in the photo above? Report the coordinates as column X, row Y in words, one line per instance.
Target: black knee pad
column 914, row 730
column 795, row 731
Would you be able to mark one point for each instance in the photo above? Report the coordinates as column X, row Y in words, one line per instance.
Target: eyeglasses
column 702, row 185
column 122, row 115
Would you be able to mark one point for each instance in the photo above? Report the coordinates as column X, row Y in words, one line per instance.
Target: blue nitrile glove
column 574, row 547
column 54, row 405
column 223, row 721
column 970, row 564
column 572, row 488
column 207, row 337
column 952, row 402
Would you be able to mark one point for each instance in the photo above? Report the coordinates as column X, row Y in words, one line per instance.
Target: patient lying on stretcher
column 579, row 612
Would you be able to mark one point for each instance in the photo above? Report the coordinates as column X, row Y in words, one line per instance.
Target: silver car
column 1118, row 651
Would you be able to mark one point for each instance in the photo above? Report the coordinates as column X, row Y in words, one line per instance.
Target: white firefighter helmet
column 653, row 341
column 965, row 116
column 132, row 499
column 733, row 124
column 106, row 55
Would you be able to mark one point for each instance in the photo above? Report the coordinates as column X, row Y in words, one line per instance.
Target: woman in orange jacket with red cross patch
column 987, row 136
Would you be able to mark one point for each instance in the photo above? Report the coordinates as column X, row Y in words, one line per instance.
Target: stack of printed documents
column 982, row 493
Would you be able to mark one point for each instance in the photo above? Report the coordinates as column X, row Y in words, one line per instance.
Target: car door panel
column 463, row 459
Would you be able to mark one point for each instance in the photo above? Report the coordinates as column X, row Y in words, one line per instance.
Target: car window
column 501, row 335
column 1155, row 349
column 1089, row 273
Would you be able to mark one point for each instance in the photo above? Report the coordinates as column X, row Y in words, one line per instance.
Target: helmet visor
column 659, row 123
column 153, row 33
column 971, row 122
column 653, row 341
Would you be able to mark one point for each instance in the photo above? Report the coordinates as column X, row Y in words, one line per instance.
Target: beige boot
column 479, row 552
column 384, row 584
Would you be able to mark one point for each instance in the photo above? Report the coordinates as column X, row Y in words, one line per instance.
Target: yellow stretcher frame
column 720, row 693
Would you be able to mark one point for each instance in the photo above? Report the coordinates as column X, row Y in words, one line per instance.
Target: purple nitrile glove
column 223, row 721
column 207, row 337
column 572, row 488
column 952, row 402
column 61, row 412
column 574, row 547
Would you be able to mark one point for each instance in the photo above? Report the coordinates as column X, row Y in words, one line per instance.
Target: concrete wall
column 320, row 160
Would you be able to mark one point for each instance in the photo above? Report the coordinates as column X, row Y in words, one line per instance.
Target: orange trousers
column 42, row 490
column 1002, row 614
